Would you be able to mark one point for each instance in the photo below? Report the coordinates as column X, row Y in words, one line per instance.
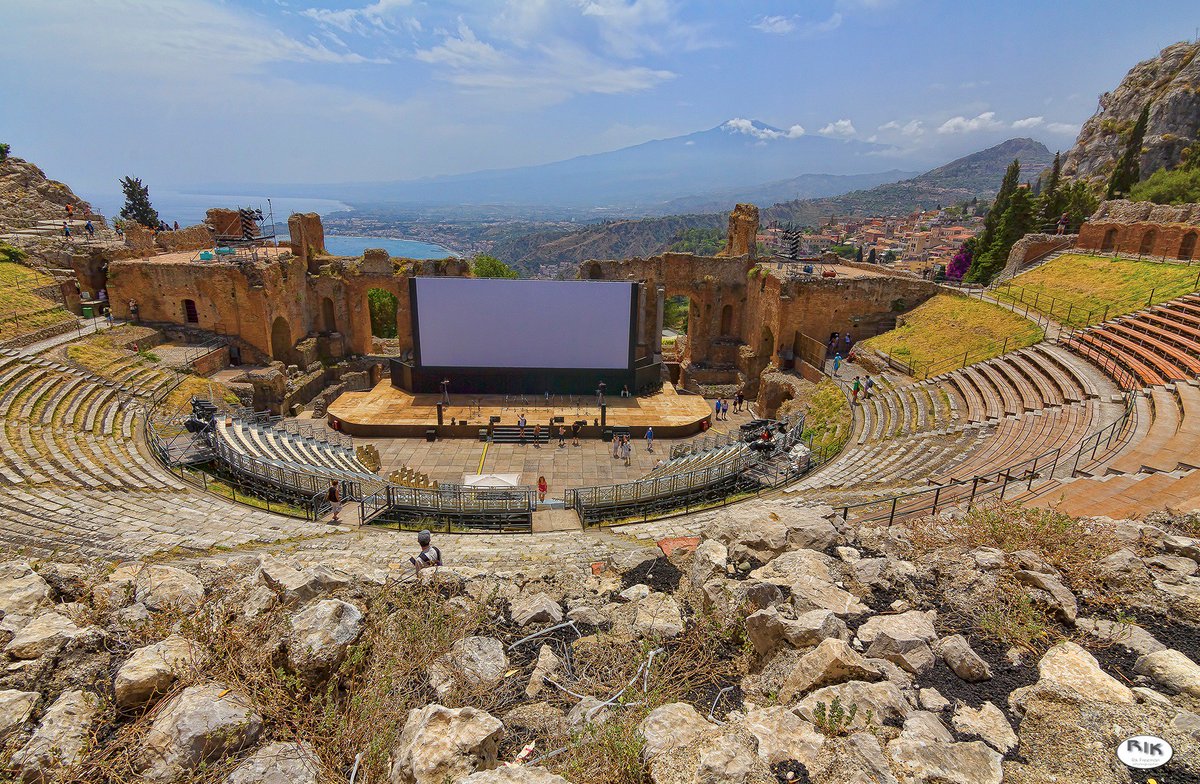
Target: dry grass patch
column 827, row 417
column 22, row 311
column 946, row 326
column 1071, row 286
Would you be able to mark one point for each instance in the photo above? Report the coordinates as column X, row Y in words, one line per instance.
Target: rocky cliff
column 27, row 195
column 1170, row 83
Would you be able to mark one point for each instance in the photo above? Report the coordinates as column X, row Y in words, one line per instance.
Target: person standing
column 855, row 388
column 867, row 387
column 650, row 439
column 837, row 364
column 429, row 556
column 66, row 230
column 334, row 496
column 521, row 429
column 716, row 410
column 562, row 436
column 738, row 401
column 616, row 442
column 537, row 435
column 849, row 343
column 626, row 450
column 90, row 229
column 542, row 488
column 575, row 433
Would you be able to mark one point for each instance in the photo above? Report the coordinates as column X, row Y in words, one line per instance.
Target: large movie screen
column 499, row 323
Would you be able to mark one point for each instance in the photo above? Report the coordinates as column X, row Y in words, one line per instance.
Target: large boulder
column 833, row 661
column 47, row 633
column 810, row 593
column 884, row 700
column 658, row 616
column 278, row 763
column 671, row 726
column 783, row 736
column 988, row 723
column 15, row 708
column 21, row 599
column 962, row 659
column 1052, row 593
column 475, row 661
column 790, row 566
column 909, row 654
column 69, row 581
column 199, row 725
column 535, row 608
column 152, row 670
column 295, row 585
column 768, row 629
column 710, row 559
column 167, row 588
column 912, row 625
column 440, row 744
column 548, row 665
column 946, row 763
column 320, row 635
column 60, row 739
column 1071, row 675
column 1171, row 669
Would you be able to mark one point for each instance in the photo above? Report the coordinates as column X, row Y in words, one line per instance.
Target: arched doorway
column 281, row 339
column 381, row 304
column 766, row 344
column 727, row 320
column 328, row 321
column 1187, row 247
column 1147, row 245
column 1110, row 241
column 595, row 271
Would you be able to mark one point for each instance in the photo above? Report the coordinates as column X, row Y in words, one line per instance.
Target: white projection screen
column 517, row 324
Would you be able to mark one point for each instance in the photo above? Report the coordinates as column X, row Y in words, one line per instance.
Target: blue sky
column 186, row 91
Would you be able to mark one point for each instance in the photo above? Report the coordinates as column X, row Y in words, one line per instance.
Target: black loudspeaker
column 607, row 434
column 431, row 435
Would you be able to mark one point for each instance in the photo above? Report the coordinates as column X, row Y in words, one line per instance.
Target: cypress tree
column 1052, row 200
column 992, row 220
column 137, row 203
column 1013, row 224
column 858, row 255
column 1129, row 167
column 871, row 257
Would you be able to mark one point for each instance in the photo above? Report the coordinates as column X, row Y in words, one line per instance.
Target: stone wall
column 306, row 237
column 273, row 304
column 1135, row 228
column 1032, row 246
column 741, row 237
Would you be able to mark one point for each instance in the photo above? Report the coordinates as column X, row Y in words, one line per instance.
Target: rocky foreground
column 1006, row 645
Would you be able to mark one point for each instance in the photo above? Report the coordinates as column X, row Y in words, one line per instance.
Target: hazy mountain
column 806, row 186
column 735, row 154
column 975, row 175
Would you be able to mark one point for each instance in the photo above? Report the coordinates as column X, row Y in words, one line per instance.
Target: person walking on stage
column 837, row 363
column 616, row 446
column 649, row 439
column 562, row 436
column 575, row 433
column 429, row 556
column 334, row 496
column 626, row 449
column 542, row 488
column 521, row 429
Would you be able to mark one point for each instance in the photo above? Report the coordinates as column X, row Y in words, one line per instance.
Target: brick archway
column 1148, row 239
column 281, row 339
column 1187, row 246
column 1110, row 241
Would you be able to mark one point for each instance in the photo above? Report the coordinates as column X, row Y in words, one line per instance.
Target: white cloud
column 1065, row 128
column 986, row 121
column 779, row 25
column 1029, row 122
column 785, row 25
column 747, row 127
column 556, row 70
column 630, row 28
column 840, row 129
column 378, row 16
column 912, row 128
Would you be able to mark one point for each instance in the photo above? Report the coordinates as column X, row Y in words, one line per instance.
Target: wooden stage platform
column 387, row 411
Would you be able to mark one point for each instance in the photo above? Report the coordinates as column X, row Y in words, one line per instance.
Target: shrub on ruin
column 4, row 150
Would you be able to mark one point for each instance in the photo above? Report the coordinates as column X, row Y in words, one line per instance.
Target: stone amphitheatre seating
column 1154, row 346
column 77, row 482
column 278, row 447
column 967, row 422
column 1156, row 464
